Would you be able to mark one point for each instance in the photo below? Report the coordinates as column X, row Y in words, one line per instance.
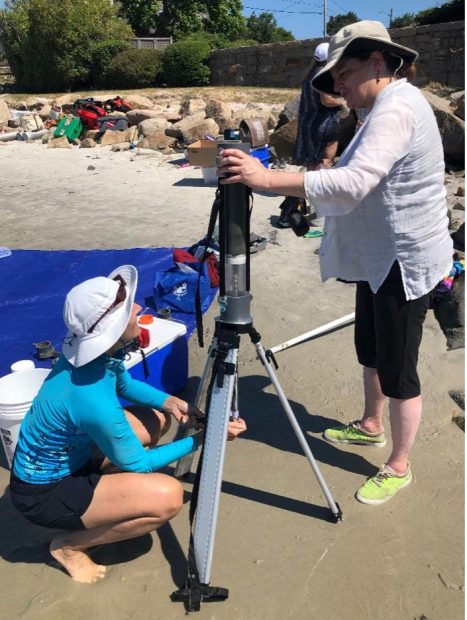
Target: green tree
column 49, row 45
column 407, row 19
column 448, row 12
column 140, row 14
column 180, row 18
column 263, row 28
column 337, row 22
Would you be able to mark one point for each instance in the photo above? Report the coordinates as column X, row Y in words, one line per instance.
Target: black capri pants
column 388, row 333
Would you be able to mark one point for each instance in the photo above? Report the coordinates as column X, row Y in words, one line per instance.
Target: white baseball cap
column 321, row 52
column 96, row 313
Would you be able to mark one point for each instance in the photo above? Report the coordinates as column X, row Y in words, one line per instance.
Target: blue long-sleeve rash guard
column 78, row 406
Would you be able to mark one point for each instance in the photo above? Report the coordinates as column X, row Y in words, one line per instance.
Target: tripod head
column 234, row 244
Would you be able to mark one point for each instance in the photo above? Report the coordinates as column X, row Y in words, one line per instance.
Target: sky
column 299, row 16
column 296, row 15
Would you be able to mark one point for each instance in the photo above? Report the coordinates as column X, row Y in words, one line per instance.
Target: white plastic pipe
column 6, row 137
column 348, row 319
column 31, row 135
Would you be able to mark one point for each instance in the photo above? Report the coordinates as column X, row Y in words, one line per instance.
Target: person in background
column 83, row 462
column 318, row 124
column 386, row 228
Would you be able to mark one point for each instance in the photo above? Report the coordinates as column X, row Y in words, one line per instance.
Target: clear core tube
column 235, row 275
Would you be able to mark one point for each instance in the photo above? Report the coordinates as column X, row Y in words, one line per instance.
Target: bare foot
column 77, row 563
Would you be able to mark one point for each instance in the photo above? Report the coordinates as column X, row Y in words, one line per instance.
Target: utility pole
column 389, row 15
column 325, row 18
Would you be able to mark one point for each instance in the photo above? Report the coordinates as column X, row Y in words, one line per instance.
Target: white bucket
column 17, row 392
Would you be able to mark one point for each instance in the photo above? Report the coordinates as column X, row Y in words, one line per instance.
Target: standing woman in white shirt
column 386, row 229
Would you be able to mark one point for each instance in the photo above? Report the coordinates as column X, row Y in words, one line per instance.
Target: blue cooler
column 166, row 355
column 262, row 153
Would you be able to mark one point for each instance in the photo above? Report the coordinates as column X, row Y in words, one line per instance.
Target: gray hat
column 363, row 35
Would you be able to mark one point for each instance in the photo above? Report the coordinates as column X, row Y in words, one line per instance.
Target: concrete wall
column 441, row 48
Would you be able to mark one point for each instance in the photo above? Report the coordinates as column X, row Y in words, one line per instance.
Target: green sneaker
column 352, row 433
column 383, row 486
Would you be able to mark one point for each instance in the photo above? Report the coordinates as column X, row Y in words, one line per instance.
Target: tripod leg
column 183, row 467
column 336, row 511
column 211, row 473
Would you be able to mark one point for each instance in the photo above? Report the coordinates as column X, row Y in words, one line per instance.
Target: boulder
column 5, row 115
column 242, row 113
column 59, row 143
column 290, row 112
column 151, row 126
column 157, row 141
column 124, row 146
column 67, row 99
column 113, row 137
column 172, row 114
column 193, row 128
column 132, row 134
column 91, row 133
column 283, row 140
column 44, row 111
column 449, row 311
column 140, row 102
column 457, row 104
column 87, row 143
column 221, row 113
column 191, row 106
column 138, row 116
column 451, row 127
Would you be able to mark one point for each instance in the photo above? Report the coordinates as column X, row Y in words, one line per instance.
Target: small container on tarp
column 166, row 356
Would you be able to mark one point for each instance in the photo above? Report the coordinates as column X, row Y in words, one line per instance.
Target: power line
column 257, row 8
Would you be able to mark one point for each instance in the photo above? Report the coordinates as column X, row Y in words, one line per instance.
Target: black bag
column 294, row 214
column 114, row 123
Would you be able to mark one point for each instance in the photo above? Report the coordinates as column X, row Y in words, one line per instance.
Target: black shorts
column 388, row 333
column 59, row 504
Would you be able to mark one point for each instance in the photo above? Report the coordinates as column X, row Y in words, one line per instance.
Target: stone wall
column 441, row 48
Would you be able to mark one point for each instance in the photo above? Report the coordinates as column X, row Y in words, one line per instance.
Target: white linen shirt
column 385, row 200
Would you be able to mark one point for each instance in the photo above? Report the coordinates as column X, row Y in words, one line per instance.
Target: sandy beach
column 276, row 549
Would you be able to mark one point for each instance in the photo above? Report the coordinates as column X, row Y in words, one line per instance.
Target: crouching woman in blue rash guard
column 77, row 433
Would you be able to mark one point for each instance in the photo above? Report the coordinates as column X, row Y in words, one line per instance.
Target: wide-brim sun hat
column 360, row 36
column 95, row 317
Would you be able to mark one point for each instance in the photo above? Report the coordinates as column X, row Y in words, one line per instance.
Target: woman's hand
column 242, row 168
column 235, row 428
column 177, row 408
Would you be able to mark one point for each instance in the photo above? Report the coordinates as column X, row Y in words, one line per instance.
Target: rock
column 125, row 146
column 283, row 140
column 92, row 133
column 458, row 396
column 157, row 141
column 220, row 112
column 132, row 134
column 113, row 137
column 289, row 113
column 91, row 167
column 244, row 113
column 151, row 126
column 138, row 116
column 191, row 106
column 451, row 127
column 460, row 190
column 173, row 114
column 458, row 237
column 449, row 312
column 44, row 112
column 193, row 128
column 5, row 115
column 67, row 100
column 88, row 143
column 59, row 143
column 140, row 102
column 456, row 103
column 460, row 204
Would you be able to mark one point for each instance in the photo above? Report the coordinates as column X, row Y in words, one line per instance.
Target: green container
column 70, row 127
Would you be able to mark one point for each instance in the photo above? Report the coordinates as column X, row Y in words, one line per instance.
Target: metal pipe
column 7, row 137
column 31, row 135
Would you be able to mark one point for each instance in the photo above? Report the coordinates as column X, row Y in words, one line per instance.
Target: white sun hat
column 96, row 313
column 363, row 35
column 321, row 52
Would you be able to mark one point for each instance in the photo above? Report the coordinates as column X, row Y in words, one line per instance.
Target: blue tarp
column 34, row 283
